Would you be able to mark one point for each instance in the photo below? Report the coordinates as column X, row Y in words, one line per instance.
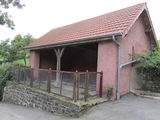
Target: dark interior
column 48, row 59
column 81, row 58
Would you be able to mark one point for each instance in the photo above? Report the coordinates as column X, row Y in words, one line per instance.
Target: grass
column 21, row 62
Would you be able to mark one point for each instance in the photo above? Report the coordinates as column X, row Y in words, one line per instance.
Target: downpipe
column 120, row 66
column 127, row 63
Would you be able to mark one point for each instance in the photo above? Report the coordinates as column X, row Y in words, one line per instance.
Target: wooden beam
column 59, row 53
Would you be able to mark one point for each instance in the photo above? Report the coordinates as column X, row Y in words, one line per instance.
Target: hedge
column 4, row 76
column 149, row 71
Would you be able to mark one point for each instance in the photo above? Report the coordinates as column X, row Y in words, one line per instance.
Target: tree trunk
column 24, row 59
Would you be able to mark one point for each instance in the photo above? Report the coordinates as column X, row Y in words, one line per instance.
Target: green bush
column 149, row 71
column 4, row 76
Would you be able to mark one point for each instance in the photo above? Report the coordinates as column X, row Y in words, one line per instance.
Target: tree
column 5, row 50
column 18, row 44
column 5, row 18
column 10, row 52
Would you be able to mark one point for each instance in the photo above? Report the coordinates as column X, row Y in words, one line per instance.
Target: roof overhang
column 77, row 41
column 151, row 28
column 151, row 31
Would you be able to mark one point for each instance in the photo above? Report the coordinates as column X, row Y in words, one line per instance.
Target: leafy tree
column 18, row 44
column 5, row 18
column 5, row 50
column 10, row 52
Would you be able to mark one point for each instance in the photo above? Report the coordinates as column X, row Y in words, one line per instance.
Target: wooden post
column 39, row 78
column 75, row 87
column 61, row 79
column 31, row 77
column 100, row 84
column 86, row 86
column 19, row 73
column 49, row 81
column 59, row 53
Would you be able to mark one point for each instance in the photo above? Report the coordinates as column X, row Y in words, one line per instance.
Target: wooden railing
column 73, row 85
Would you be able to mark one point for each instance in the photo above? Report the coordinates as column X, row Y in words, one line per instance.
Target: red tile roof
column 114, row 22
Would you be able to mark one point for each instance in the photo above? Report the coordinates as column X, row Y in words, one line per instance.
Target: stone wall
column 152, row 85
column 31, row 97
column 140, row 82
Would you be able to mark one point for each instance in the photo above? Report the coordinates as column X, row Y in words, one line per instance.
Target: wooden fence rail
column 73, row 85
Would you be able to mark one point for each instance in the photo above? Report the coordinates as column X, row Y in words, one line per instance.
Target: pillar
column 59, row 52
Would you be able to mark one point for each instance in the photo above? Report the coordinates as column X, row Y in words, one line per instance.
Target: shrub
column 4, row 76
column 109, row 91
column 149, row 71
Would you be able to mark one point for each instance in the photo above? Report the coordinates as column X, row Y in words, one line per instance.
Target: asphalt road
column 128, row 108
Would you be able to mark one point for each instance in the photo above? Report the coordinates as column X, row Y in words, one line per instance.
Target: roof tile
column 113, row 22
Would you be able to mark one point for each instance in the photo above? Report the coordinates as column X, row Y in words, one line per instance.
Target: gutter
column 65, row 43
column 120, row 66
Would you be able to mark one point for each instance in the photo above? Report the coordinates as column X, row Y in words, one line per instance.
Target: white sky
column 40, row 16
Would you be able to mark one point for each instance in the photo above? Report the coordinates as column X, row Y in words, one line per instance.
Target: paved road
column 128, row 108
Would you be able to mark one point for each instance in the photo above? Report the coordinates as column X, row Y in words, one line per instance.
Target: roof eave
column 77, row 41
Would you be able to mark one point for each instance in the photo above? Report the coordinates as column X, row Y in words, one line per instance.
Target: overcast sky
column 40, row 16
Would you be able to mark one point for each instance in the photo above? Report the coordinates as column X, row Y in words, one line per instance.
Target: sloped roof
column 115, row 22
